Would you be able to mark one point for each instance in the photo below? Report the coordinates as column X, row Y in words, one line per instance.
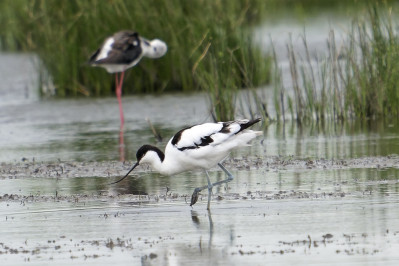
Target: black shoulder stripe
column 204, row 142
column 187, row 148
column 177, row 136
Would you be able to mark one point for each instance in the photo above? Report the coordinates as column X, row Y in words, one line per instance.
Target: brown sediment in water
column 271, row 219
column 65, row 170
column 172, row 197
column 114, row 168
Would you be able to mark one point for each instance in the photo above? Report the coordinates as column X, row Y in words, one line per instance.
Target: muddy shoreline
column 31, row 169
column 110, row 170
column 273, row 218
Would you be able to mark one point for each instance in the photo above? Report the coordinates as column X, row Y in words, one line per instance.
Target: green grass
column 210, row 49
column 357, row 81
column 210, row 46
column 224, row 79
column 65, row 34
column 372, row 90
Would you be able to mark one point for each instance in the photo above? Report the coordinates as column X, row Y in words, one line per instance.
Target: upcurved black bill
column 134, row 166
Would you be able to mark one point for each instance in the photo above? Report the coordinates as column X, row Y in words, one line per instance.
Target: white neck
column 157, row 164
column 166, row 167
column 154, row 161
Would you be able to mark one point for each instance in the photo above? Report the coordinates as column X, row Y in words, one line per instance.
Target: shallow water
column 287, row 204
column 348, row 216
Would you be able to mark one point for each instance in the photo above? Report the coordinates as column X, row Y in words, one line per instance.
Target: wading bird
column 124, row 50
column 198, row 147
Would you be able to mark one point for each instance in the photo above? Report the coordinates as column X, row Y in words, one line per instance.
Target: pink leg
column 116, row 81
column 121, row 146
column 119, row 84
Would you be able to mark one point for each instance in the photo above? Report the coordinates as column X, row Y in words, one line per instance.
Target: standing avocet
column 124, row 50
column 198, row 147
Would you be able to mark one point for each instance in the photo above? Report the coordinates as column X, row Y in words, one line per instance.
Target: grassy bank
column 357, row 80
column 199, row 34
column 210, row 49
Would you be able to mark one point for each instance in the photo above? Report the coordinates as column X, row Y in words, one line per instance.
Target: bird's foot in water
column 195, row 196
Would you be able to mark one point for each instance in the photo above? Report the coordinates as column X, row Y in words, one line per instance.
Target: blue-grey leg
column 196, row 192
column 210, row 186
column 229, row 175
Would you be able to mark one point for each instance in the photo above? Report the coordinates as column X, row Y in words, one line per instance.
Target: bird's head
column 156, row 49
column 147, row 154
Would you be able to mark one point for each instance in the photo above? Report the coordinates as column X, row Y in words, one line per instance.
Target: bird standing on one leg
column 198, row 147
column 124, row 50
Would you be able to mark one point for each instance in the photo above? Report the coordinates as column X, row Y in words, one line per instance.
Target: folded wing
column 211, row 134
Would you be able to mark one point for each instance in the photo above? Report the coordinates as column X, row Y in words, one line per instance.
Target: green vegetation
column 199, row 35
column 372, row 83
column 358, row 80
column 210, row 49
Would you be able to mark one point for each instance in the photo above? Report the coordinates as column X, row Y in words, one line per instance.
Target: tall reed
column 357, row 80
column 224, row 79
column 373, row 89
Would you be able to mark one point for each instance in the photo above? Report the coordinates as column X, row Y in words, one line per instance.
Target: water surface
column 293, row 207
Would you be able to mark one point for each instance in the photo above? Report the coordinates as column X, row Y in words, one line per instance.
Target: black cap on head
column 139, row 155
column 145, row 148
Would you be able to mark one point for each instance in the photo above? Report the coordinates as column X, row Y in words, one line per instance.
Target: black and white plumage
column 124, row 50
column 198, row 147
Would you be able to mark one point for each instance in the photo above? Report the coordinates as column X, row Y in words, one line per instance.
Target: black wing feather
column 125, row 49
column 207, row 139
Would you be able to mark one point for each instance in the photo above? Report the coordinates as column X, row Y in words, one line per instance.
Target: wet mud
column 307, row 223
column 111, row 170
column 278, row 210
column 29, row 169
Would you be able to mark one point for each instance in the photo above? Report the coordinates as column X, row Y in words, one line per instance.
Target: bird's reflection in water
column 196, row 252
column 196, row 221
